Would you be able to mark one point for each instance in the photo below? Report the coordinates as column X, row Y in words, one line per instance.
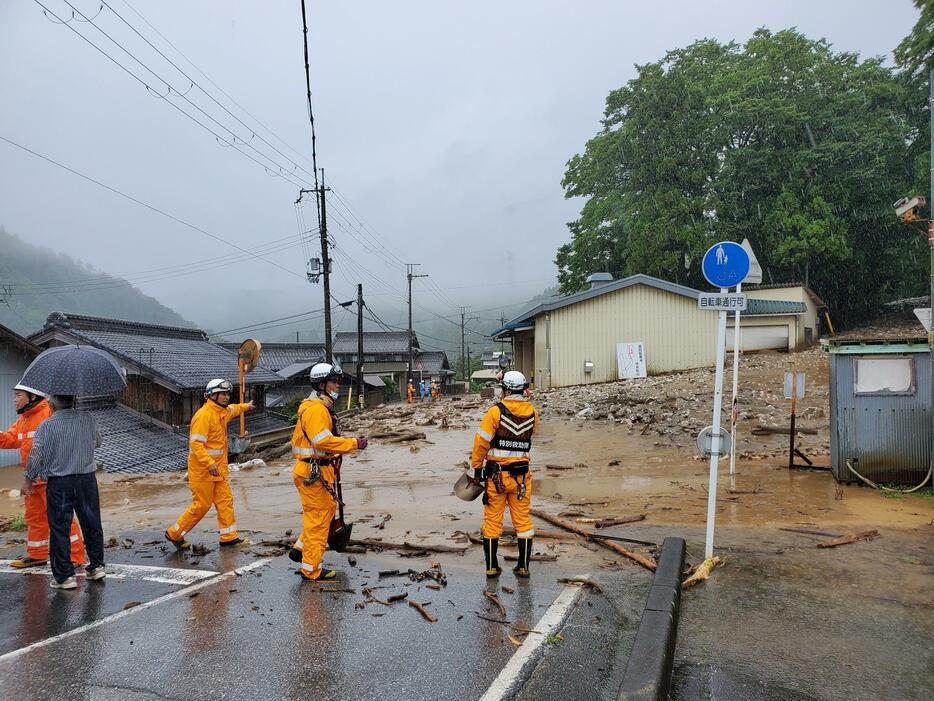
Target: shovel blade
column 339, row 537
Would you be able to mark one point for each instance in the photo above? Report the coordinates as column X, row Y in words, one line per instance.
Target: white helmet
column 515, row 381
column 322, row 372
column 217, row 386
column 30, row 390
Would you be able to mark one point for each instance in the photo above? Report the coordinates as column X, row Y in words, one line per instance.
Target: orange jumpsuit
column 495, row 509
column 313, row 439
column 207, row 444
column 410, row 394
column 19, row 435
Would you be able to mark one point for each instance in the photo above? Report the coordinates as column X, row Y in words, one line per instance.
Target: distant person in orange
column 410, row 393
column 33, row 408
column 435, row 390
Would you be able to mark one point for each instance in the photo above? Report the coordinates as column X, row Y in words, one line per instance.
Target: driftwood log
column 849, row 538
column 374, row 544
column 635, row 557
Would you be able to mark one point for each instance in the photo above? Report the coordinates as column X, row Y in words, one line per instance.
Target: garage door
column 760, row 338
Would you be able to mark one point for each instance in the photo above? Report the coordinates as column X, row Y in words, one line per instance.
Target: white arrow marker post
column 715, row 438
column 737, row 341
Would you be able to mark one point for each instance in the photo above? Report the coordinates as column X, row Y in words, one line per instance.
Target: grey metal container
column 886, row 435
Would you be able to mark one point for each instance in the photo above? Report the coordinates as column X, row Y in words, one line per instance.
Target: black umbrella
column 81, row 371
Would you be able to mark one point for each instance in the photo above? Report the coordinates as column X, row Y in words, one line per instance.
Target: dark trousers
column 67, row 497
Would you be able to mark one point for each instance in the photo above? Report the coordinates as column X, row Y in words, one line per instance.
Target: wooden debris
column 375, row 544
column 702, row 573
column 849, row 538
column 538, row 557
column 764, row 430
column 131, row 604
column 515, row 641
column 495, row 599
column 808, row 531
column 371, row 597
column 581, row 580
column 508, row 590
column 398, row 597
column 589, row 503
column 390, row 573
column 558, row 467
column 421, row 609
column 607, row 522
column 382, row 524
column 635, row 557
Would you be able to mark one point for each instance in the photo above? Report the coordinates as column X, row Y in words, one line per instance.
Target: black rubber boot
column 490, row 546
column 525, row 554
column 295, row 555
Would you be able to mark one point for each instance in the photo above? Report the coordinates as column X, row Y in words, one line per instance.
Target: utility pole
column 326, row 268
column 360, row 345
column 410, row 275
column 463, row 344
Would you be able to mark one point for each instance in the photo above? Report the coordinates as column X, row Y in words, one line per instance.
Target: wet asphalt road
column 266, row 634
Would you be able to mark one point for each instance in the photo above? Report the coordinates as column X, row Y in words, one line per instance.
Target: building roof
column 22, row 343
column 484, row 374
column 295, row 369
column 771, row 307
column 180, row 358
column 374, row 342
column 276, row 356
column 433, row 362
column 786, row 285
column 131, row 442
column 596, row 291
column 374, row 380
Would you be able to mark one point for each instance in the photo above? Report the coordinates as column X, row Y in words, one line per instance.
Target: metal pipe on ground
column 648, row 672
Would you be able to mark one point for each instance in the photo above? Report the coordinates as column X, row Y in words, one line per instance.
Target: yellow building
column 573, row 340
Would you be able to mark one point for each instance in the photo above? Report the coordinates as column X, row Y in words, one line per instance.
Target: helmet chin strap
column 30, row 404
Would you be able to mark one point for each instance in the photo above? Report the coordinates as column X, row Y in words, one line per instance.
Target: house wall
column 676, row 334
column 808, row 320
column 13, row 363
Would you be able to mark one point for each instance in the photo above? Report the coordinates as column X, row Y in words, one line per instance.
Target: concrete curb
column 648, row 673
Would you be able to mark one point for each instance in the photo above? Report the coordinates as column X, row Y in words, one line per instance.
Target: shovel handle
column 242, row 418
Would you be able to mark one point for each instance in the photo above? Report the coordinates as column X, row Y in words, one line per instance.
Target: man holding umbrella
column 33, row 408
column 63, row 452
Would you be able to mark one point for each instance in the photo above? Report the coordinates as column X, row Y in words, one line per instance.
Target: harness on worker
column 513, row 434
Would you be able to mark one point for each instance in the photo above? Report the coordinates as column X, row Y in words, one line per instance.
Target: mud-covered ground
column 850, row 622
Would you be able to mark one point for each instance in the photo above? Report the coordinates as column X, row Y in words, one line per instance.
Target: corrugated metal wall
column 677, row 335
column 889, row 435
column 13, row 362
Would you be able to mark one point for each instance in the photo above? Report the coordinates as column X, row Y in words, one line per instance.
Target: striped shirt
column 63, row 445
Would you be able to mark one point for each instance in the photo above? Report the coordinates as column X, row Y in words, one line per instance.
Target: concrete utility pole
column 360, row 345
column 326, row 269
column 410, row 275
column 463, row 344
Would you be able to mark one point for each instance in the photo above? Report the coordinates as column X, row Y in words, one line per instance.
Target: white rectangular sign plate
column 722, row 302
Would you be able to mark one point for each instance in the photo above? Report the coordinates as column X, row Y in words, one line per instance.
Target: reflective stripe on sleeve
column 199, row 437
column 36, row 543
column 302, row 451
column 498, row 453
column 19, row 436
column 229, row 529
column 31, row 434
column 484, row 435
column 74, row 538
column 526, row 534
column 321, row 436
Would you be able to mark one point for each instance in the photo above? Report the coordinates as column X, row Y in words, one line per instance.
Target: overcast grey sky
column 445, row 125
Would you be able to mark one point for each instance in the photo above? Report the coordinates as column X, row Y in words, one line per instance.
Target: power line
column 148, row 206
column 268, row 321
column 220, row 139
column 311, row 114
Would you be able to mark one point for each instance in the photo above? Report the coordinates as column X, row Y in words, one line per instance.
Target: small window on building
column 808, row 335
column 890, row 375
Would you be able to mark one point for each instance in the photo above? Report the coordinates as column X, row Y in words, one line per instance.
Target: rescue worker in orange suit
column 33, row 408
column 207, row 467
column 435, row 391
column 316, row 443
column 500, row 459
column 410, row 393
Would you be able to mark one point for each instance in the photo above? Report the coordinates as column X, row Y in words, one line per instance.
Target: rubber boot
column 490, row 546
column 521, row 569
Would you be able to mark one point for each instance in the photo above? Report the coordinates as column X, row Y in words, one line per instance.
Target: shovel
column 247, row 359
column 339, row 534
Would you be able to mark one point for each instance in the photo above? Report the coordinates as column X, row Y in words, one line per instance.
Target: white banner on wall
column 630, row 360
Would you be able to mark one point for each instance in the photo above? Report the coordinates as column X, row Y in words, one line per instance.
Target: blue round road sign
column 726, row 264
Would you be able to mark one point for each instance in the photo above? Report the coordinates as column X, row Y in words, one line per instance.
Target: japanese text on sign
column 721, row 302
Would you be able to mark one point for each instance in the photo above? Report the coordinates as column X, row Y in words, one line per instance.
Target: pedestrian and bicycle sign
column 726, row 264
column 722, row 302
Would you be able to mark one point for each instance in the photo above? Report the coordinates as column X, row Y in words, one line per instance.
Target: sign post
column 754, row 278
column 725, row 265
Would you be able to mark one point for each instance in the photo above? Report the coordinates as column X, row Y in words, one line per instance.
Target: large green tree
column 780, row 140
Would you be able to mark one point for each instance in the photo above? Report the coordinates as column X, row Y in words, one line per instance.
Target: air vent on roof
column 599, row 279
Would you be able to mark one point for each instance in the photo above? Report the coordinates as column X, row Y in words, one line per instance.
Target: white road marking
column 163, row 575
column 505, row 685
column 185, row 591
